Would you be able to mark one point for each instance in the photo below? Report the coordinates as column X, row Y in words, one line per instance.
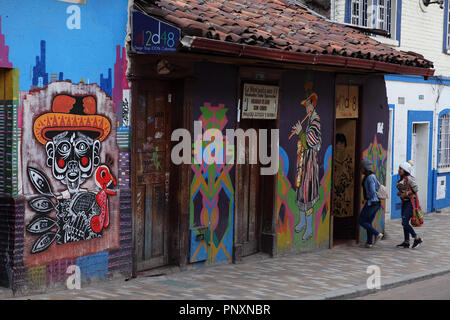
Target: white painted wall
column 423, row 32
column 339, row 10
column 411, row 92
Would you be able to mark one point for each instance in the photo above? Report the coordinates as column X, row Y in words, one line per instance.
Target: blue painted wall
column 41, row 43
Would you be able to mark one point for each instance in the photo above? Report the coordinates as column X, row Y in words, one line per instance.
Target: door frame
column 419, row 116
column 161, row 260
column 414, row 139
column 343, row 79
column 268, row 237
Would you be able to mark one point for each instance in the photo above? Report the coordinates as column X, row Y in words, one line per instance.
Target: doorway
column 151, row 173
column 419, row 154
column 344, row 211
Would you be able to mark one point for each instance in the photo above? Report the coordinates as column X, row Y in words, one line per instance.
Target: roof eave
column 247, row 51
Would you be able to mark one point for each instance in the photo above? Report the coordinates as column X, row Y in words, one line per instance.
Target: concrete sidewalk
column 339, row 273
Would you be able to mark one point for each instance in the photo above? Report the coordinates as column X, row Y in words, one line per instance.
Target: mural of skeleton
column 307, row 176
column 72, row 134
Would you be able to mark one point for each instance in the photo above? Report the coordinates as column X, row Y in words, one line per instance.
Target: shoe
column 308, row 233
column 416, row 243
column 404, row 244
column 378, row 237
column 369, row 245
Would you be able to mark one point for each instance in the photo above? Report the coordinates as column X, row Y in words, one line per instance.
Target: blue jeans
column 366, row 218
column 407, row 209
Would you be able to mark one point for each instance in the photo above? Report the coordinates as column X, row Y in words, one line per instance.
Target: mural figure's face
column 73, row 157
column 340, row 149
column 309, row 106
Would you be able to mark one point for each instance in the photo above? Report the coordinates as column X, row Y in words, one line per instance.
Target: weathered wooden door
column 152, row 174
column 343, row 205
column 249, row 199
column 346, row 182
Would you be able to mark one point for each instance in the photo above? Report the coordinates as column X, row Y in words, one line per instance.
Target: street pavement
column 337, row 273
column 437, row 288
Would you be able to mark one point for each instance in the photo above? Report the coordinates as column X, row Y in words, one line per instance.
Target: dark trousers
column 366, row 218
column 407, row 209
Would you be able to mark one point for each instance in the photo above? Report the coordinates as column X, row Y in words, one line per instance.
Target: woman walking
column 372, row 205
column 407, row 188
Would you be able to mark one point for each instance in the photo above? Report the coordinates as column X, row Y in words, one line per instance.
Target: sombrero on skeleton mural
column 72, row 113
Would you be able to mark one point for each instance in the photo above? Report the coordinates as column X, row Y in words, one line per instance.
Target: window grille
column 444, row 141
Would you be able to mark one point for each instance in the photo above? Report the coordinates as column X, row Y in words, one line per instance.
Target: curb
column 362, row 290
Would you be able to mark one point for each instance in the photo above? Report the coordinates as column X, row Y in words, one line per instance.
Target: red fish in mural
column 105, row 180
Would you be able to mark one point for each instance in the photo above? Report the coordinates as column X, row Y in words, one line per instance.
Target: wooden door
column 152, row 174
column 344, row 159
column 249, row 207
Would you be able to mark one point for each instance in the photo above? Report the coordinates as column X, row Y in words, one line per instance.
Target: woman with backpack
column 370, row 187
column 407, row 188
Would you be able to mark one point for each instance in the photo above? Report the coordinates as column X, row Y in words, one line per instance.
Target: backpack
column 381, row 192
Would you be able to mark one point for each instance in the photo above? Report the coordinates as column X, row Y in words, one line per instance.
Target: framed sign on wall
column 260, row 101
column 347, row 101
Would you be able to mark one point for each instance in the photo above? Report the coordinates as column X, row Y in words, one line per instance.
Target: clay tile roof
column 276, row 24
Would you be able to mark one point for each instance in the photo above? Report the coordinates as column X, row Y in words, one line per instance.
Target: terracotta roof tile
column 275, row 24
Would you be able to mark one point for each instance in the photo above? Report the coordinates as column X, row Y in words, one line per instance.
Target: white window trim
column 446, row 169
column 393, row 41
column 447, row 25
column 373, row 21
column 385, row 40
column 361, row 12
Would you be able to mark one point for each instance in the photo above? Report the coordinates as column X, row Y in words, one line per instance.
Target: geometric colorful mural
column 211, row 195
column 376, row 154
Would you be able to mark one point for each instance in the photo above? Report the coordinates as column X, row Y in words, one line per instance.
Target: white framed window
column 359, row 12
column 384, row 18
column 444, row 142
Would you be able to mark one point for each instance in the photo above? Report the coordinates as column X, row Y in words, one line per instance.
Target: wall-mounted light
column 428, row 2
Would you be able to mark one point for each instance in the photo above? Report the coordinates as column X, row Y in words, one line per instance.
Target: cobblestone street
column 300, row 276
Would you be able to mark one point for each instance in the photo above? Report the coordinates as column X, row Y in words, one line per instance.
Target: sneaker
column 404, row 244
column 369, row 245
column 417, row 243
column 378, row 237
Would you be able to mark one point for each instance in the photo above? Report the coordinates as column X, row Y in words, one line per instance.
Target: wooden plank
column 245, row 196
column 152, row 263
column 139, row 216
column 253, row 206
column 148, row 222
column 159, row 213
